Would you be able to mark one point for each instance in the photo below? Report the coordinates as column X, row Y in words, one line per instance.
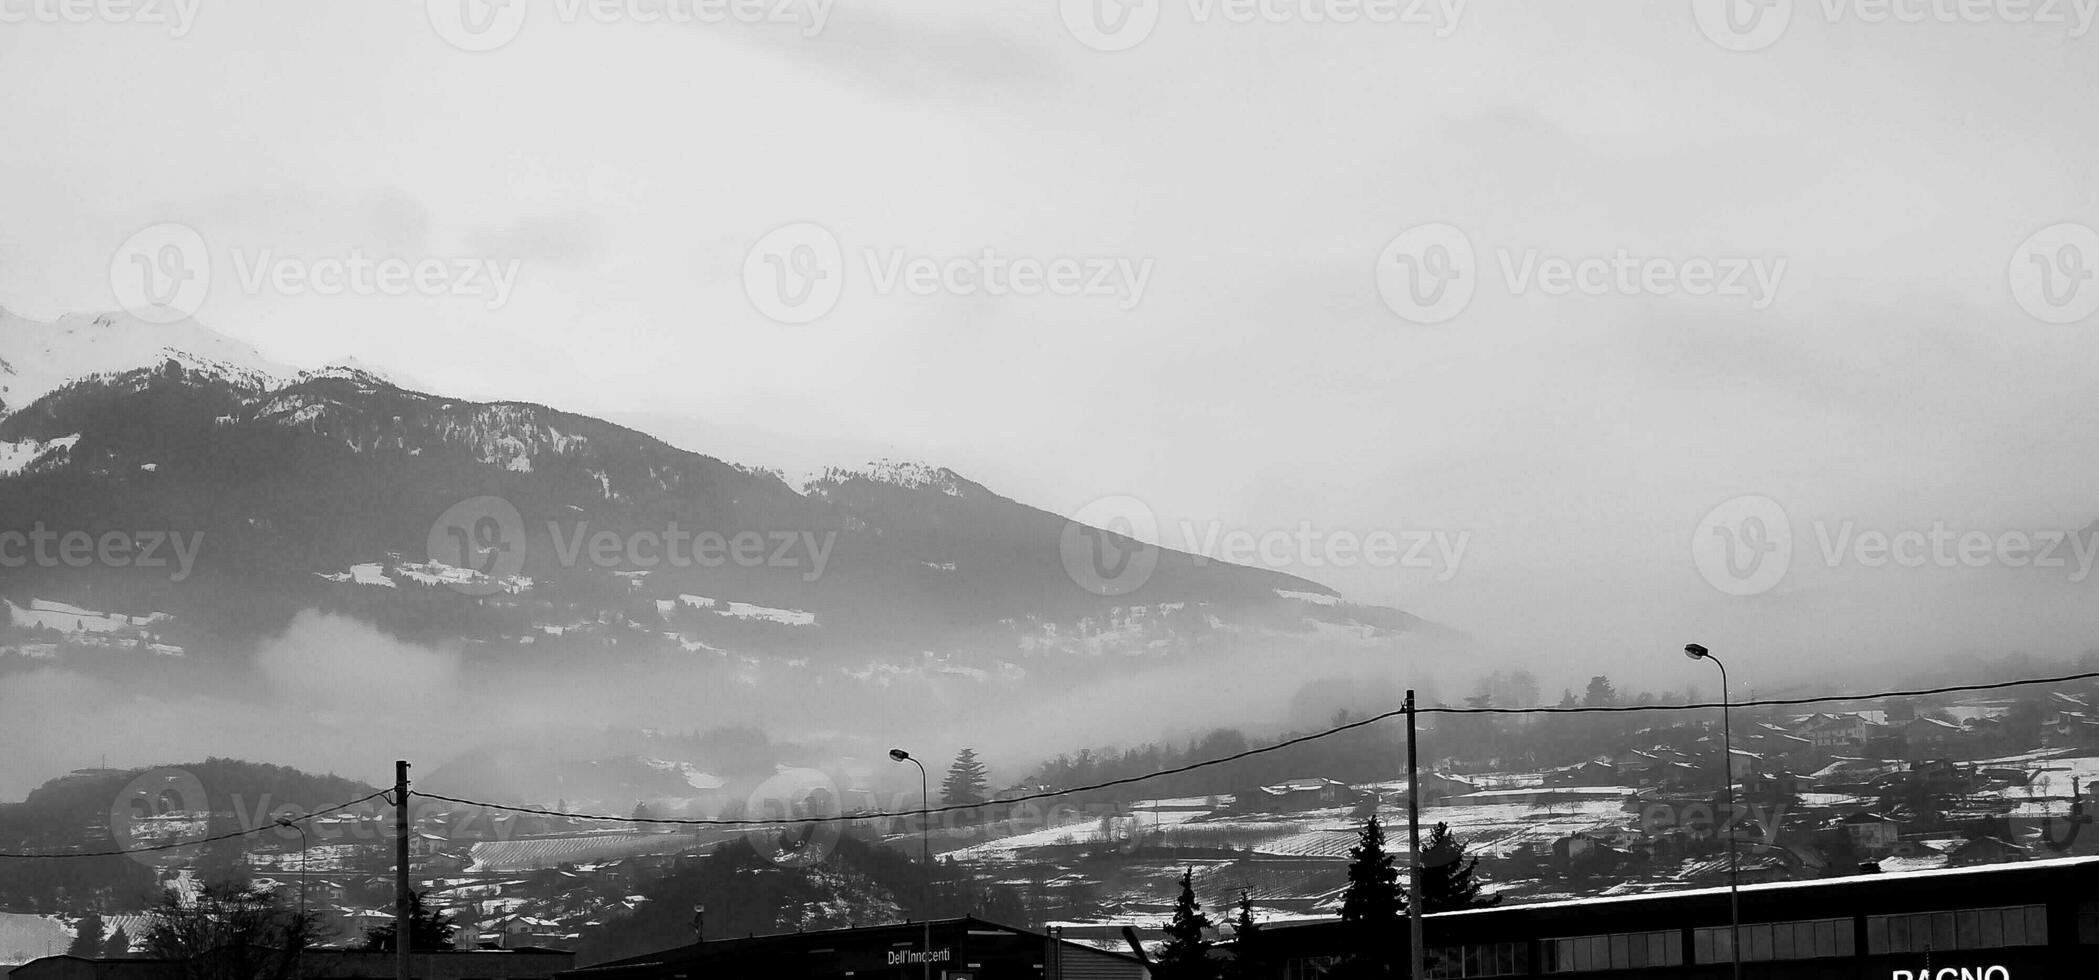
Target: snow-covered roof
column 1773, row 886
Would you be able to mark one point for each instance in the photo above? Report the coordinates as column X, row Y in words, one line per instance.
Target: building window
column 1619, row 951
column 1479, row 960
column 2088, row 923
column 1802, row 940
column 2011, row 925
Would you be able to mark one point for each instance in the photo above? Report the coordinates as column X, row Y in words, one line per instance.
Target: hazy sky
column 1256, row 171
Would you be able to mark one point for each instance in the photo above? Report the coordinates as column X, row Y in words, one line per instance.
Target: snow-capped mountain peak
column 39, row 357
column 909, row 474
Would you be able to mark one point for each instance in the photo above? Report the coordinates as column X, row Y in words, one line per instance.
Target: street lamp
column 925, row 852
column 1727, row 790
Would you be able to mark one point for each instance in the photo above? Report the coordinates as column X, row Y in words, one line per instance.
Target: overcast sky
column 1890, row 377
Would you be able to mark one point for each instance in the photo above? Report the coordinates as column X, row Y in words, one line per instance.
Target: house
column 1438, row 786
column 1751, row 869
column 423, row 844
column 1595, row 772
column 1847, row 774
column 1297, row 794
column 1930, row 737
column 1771, row 787
column 1871, row 831
column 1586, row 847
column 514, row 931
column 1841, row 731
column 2069, row 728
column 1772, row 741
column 1636, row 767
column 1985, row 850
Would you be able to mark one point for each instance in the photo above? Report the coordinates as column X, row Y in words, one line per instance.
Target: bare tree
column 230, row 932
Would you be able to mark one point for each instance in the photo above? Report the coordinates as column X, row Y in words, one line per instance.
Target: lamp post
column 925, row 852
column 1727, row 791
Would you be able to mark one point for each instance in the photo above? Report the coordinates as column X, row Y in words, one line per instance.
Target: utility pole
column 1414, row 951
column 403, row 900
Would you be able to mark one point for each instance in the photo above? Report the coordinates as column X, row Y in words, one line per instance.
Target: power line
column 199, row 841
column 1127, row 780
column 1767, row 703
column 1287, row 743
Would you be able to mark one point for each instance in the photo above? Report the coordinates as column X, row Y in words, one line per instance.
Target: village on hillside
column 1887, row 788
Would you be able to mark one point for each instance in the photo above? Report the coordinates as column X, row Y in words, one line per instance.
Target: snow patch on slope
column 20, row 457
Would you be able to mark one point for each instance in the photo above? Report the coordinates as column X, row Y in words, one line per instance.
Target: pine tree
column 1373, row 906
column 1374, row 895
column 118, row 946
column 1447, row 881
column 87, row 937
column 966, row 780
column 1187, row 952
column 1249, row 959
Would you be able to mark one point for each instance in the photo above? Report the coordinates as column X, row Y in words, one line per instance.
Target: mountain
column 524, row 538
column 37, row 358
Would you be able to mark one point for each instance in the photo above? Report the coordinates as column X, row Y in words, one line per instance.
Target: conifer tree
column 1447, row 880
column 1373, row 907
column 1373, row 894
column 87, row 937
column 1187, row 952
column 1249, row 959
column 966, row 781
